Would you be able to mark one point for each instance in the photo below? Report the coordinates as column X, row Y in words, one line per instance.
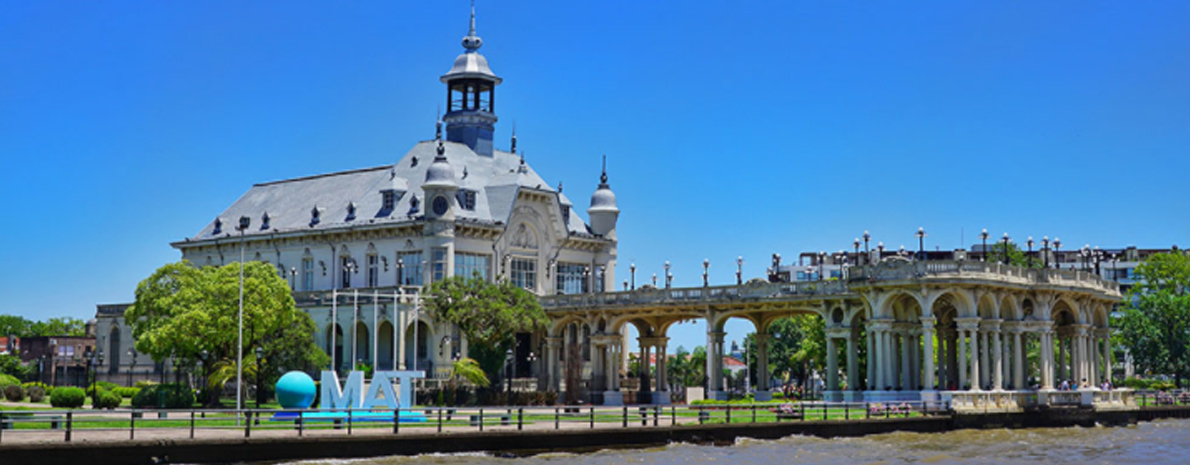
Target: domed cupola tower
column 471, row 96
column 603, row 211
column 440, row 187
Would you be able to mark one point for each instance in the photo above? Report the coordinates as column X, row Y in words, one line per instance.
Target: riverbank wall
column 531, row 442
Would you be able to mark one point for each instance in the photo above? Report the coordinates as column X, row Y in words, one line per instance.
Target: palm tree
column 223, row 372
column 467, row 368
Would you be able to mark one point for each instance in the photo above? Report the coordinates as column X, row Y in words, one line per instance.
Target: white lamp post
column 244, row 223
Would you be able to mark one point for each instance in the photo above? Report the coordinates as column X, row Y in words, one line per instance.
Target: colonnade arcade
column 894, row 331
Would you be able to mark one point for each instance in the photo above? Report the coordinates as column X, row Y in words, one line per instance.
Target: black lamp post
column 867, row 253
column 400, row 271
column 856, row 244
column 132, row 367
column 1098, row 254
column 1005, row 248
column 669, row 277
column 984, row 235
column 739, row 270
column 775, row 274
column 202, row 364
column 510, row 366
column 1057, row 258
column 1030, row 254
column 632, row 271
column 1115, row 273
column 1086, row 254
column 259, row 387
column 921, row 243
column 1045, row 251
column 706, row 268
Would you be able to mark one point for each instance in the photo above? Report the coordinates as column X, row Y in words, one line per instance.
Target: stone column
column 871, row 368
column 942, row 377
column 962, row 334
column 1047, row 365
column 1018, row 361
column 985, row 368
column 927, row 326
column 906, row 362
column 832, row 364
column 762, row 363
column 552, row 345
column 852, row 363
column 997, row 361
column 891, row 360
column 662, row 366
column 952, row 359
column 1061, row 357
column 714, row 361
column 1107, row 365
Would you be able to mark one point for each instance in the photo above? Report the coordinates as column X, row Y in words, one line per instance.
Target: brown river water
column 1166, row 441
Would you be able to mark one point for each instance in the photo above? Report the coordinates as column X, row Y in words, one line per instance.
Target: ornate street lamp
column 1005, row 248
column 1030, row 254
column 292, row 279
column 259, row 391
column 1045, row 251
column 879, row 251
column 866, row 252
column 984, row 235
column 400, row 271
column 668, row 276
column 739, row 270
column 632, row 271
column 1057, row 258
column 131, row 356
column 856, row 244
column 921, row 243
column 243, row 227
column 654, row 279
column 706, row 268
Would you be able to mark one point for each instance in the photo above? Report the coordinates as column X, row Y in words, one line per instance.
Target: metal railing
column 25, row 426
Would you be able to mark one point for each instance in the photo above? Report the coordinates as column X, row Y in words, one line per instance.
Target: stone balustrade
column 1018, row 401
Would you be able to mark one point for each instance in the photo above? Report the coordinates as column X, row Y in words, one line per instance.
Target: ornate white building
column 452, row 206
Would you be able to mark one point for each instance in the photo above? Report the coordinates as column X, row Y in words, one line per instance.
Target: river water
column 1166, row 441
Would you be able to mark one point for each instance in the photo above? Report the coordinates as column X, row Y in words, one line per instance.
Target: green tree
column 181, row 311
column 1155, row 324
column 10, row 364
column 13, row 325
column 467, row 368
column 488, row 314
column 796, row 348
column 1016, row 256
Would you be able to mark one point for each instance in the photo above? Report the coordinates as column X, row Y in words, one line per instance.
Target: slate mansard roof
column 496, row 182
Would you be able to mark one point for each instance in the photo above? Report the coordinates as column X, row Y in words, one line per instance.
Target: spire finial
column 513, row 149
column 472, row 42
column 603, row 175
column 438, row 125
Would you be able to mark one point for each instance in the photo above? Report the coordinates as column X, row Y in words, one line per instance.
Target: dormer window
column 218, row 226
column 314, row 216
column 350, row 211
column 466, row 198
column 389, row 200
column 264, row 221
column 413, row 206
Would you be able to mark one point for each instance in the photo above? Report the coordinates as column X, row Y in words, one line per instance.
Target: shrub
column 68, row 397
column 126, row 392
column 105, row 400
column 14, row 393
column 164, row 396
column 145, row 384
column 107, row 385
column 8, row 380
column 30, row 384
column 36, row 393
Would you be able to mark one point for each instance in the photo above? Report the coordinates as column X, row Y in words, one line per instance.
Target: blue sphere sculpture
column 295, row 390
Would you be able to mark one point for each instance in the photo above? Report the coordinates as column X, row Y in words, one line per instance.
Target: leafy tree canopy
column 181, row 310
column 488, row 314
column 1155, row 324
column 13, row 325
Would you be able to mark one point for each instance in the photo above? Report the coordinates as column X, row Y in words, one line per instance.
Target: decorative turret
column 471, row 96
column 440, row 187
column 603, row 211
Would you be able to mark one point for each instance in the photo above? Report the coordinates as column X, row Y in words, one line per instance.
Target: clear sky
column 731, row 128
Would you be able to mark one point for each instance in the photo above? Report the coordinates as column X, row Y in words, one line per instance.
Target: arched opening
column 336, row 352
column 362, row 344
column 1067, row 365
column 384, row 339
column 947, row 350
column 417, row 347
column 114, row 350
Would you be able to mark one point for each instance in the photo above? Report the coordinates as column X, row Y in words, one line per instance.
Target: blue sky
column 731, row 128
